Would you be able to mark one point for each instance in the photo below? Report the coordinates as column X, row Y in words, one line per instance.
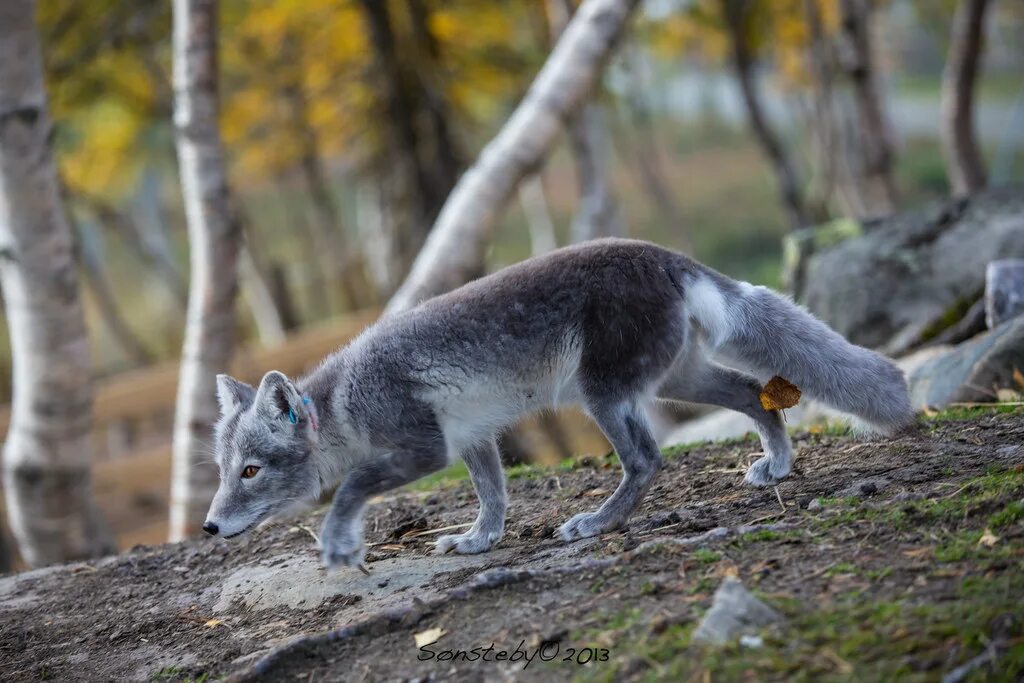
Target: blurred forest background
column 313, row 100
column 718, row 127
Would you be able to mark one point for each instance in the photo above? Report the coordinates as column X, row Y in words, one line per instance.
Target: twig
column 820, row 571
column 961, row 672
column 310, row 532
column 660, row 528
column 774, row 515
column 428, row 532
column 779, row 497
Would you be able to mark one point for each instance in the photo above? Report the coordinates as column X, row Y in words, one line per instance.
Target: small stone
column 865, row 487
column 751, row 641
column 734, row 612
column 814, row 505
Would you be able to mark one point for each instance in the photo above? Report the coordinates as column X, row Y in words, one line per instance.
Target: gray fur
column 609, row 324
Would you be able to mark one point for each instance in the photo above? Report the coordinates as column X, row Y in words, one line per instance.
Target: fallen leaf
column 988, row 539
column 918, row 552
column 212, row 623
column 779, row 394
column 1018, row 377
column 431, row 635
column 596, row 492
column 1007, row 395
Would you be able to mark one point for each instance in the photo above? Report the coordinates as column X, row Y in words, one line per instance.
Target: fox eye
column 250, row 471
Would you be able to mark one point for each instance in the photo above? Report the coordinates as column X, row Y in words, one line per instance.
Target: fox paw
column 766, row 472
column 585, row 525
column 469, row 543
column 346, row 551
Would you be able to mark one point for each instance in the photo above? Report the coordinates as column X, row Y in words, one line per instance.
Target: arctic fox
column 609, row 324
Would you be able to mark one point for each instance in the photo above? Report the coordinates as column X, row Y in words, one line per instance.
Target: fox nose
column 211, row 528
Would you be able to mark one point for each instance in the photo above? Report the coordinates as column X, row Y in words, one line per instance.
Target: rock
column 906, row 278
column 814, row 505
column 1004, row 291
column 864, row 487
column 971, row 371
column 734, row 612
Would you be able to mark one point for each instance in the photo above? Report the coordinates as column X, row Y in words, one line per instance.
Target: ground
column 900, row 558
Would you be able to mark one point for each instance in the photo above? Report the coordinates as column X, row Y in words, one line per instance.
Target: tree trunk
column 106, row 301
column 214, row 240
column 427, row 169
column 876, row 138
column 647, row 153
column 125, row 228
column 598, row 213
column 538, row 218
column 454, row 252
column 964, row 164
column 332, row 246
column 47, row 481
column 259, row 298
column 736, row 17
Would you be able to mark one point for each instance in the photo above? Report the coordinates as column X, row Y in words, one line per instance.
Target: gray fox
column 609, row 324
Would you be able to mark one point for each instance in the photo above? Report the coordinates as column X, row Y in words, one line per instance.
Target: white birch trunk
column 214, row 242
column 964, row 164
column 538, row 216
column 47, row 482
column 455, row 249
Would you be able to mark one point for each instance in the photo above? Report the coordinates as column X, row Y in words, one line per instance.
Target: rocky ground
column 889, row 559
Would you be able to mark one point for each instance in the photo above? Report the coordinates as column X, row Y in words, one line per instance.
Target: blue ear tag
column 292, row 417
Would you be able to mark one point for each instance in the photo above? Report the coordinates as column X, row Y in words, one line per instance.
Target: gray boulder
column 973, row 370
column 899, row 281
column 734, row 612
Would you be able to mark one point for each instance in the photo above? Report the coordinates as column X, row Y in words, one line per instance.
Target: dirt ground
column 891, row 559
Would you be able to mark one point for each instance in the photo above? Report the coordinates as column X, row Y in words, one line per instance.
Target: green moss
column 965, row 413
column 842, row 568
column 851, row 640
column 705, row 556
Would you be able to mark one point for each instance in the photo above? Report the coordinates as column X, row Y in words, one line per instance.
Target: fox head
column 264, row 445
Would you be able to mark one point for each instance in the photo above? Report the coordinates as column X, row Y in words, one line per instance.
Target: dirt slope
column 877, row 552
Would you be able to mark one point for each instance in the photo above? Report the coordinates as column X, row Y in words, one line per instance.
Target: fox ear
column 278, row 397
column 231, row 393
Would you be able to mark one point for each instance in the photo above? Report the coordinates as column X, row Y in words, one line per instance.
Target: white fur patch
column 706, row 305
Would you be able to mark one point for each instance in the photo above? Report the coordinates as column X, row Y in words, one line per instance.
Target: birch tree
column 455, row 249
column 964, row 164
column 47, row 482
column 214, row 241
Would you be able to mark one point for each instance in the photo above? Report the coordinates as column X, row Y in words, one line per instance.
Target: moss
column 965, row 413
column 951, row 316
column 850, row 639
column 842, row 568
column 705, row 556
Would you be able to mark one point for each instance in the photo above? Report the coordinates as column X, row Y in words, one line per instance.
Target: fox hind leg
column 728, row 388
column 484, row 465
column 625, row 425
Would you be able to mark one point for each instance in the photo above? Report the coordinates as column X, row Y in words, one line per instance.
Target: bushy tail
column 758, row 329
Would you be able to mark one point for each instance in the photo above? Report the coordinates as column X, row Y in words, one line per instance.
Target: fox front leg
column 341, row 537
column 484, row 465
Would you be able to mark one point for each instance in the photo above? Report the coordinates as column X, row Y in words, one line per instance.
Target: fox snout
column 211, row 528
